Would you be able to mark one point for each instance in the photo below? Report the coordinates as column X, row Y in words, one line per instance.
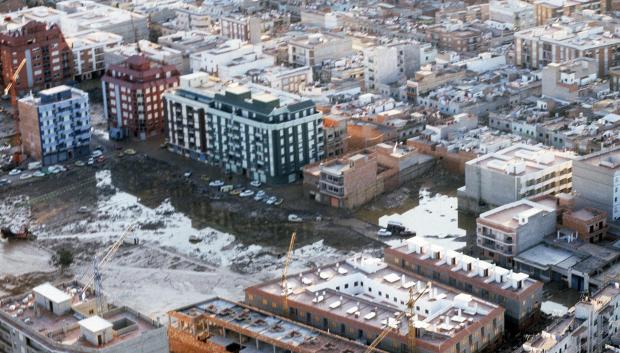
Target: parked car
column 216, row 183
column 236, row 191
column 226, row 188
column 96, row 153
column 294, row 218
column 130, row 151
column 15, row 172
column 278, row 202
column 80, row 163
column 91, row 161
column 271, row 200
column 188, row 174
column 38, row 174
column 100, row 159
column 246, row 193
column 25, row 176
column 259, row 195
column 4, row 182
column 384, row 232
column 255, row 183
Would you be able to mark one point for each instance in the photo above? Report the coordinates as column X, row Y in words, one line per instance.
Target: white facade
column 380, row 66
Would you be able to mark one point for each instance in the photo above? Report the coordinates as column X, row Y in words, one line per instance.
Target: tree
column 64, row 258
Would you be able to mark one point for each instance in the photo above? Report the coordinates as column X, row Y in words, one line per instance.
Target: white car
column 15, row 172
column 216, row 183
column 294, row 218
column 25, row 176
column 96, row 153
column 91, row 161
column 271, row 200
column 38, row 174
column 255, row 183
column 384, row 233
column 246, row 193
column 259, row 195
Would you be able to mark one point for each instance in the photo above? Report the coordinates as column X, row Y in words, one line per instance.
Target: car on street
column 15, row 172
column 259, row 195
column 294, row 218
column 91, row 161
column 384, row 233
column 226, row 188
column 188, row 174
column 271, row 200
column 130, row 151
column 4, row 182
column 255, row 183
column 80, row 163
column 236, row 191
column 25, row 176
column 216, row 183
column 278, row 202
column 38, row 174
column 96, row 153
column 246, row 193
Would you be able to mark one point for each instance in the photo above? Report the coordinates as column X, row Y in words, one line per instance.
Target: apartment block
column 55, row 125
column 257, row 131
column 317, row 48
column 566, row 40
column 158, row 55
column 52, row 319
column 456, row 36
column 359, row 297
column 519, row 294
column 88, row 52
column 588, row 327
column 216, row 325
column 513, row 173
column 572, row 81
column 547, row 10
column 336, row 135
column 49, row 61
column 132, row 97
column 596, row 179
column 247, row 29
column 356, row 178
column 518, row 13
column 293, row 80
column 506, row 231
column 231, row 59
column 188, row 43
column 590, row 223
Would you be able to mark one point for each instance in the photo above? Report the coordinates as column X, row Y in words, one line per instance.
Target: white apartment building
column 293, row 80
column 596, row 181
column 88, row 51
column 381, row 66
column 317, row 48
column 55, row 126
column 263, row 133
column 514, row 173
column 518, row 13
column 230, row 59
column 506, row 231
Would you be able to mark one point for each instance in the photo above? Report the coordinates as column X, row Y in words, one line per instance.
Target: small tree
column 64, row 258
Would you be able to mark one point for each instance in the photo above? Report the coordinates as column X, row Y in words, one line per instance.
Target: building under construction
column 218, row 325
column 365, row 298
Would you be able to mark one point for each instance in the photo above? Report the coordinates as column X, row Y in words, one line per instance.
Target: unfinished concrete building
column 360, row 297
column 218, row 325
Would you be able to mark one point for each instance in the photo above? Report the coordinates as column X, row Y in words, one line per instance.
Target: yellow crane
column 409, row 314
column 283, row 282
column 10, row 88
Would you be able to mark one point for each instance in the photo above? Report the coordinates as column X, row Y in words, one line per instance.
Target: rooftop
column 605, row 159
column 521, row 159
column 266, row 327
column 371, row 292
column 514, row 214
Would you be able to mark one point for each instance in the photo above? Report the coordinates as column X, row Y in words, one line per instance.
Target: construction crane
column 409, row 314
column 10, row 88
column 94, row 277
column 283, row 281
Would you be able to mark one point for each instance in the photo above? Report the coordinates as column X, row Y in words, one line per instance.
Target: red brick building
column 49, row 60
column 132, row 97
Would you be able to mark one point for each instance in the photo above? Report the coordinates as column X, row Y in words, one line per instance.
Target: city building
column 157, row 54
column 231, row 59
column 317, row 48
column 55, row 125
column 589, row 326
column 336, row 135
column 456, row 36
column 566, row 40
column 132, row 97
column 547, row 10
column 356, row 178
column 263, row 133
column 359, row 297
column 473, row 276
column 88, row 52
column 515, row 172
column 293, row 80
column 518, row 13
column 506, row 231
column 188, row 43
column 49, row 60
column 572, row 81
column 52, row 319
column 381, row 66
column 217, row 324
column 86, row 15
column 247, row 29
column 596, row 181
column 590, row 223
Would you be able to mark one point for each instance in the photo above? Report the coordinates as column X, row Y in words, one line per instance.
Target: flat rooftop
column 266, row 327
column 476, row 270
column 608, row 159
column 368, row 291
column 513, row 214
column 521, row 159
column 64, row 329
